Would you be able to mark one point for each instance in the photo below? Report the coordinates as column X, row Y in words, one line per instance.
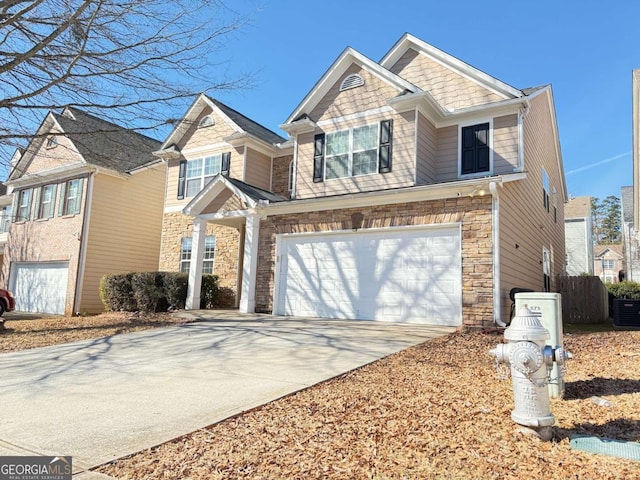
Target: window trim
column 183, row 177
column 351, row 152
column 185, row 264
column 5, row 218
column 21, row 194
column 63, row 198
column 471, row 123
column 206, row 121
column 39, row 213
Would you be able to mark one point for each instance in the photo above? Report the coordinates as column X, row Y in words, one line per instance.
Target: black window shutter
column 226, row 164
column 182, row 173
column 318, row 158
column 386, row 141
column 475, row 149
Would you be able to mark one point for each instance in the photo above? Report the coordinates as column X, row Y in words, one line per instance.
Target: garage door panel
column 40, row 287
column 408, row 275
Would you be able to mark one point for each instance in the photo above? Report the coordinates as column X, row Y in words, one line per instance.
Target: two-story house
column 414, row 189
column 87, row 200
column 578, row 230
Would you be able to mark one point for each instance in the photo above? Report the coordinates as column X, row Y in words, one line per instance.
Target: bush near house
column 629, row 290
column 153, row 291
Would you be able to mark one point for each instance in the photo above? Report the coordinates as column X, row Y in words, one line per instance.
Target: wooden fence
column 584, row 299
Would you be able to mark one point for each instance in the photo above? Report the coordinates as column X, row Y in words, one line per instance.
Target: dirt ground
column 435, row 411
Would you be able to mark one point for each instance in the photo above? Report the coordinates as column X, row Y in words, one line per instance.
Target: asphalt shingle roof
column 248, row 125
column 256, row 193
column 106, row 144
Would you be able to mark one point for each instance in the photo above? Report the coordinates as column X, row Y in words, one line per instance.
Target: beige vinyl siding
column 122, row 238
column 201, row 137
column 450, row 89
column 402, row 174
column 373, row 94
column 226, row 201
column 427, row 147
column 525, row 225
column 48, row 158
column 505, row 144
column 173, row 172
column 447, row 154
column 258, row 169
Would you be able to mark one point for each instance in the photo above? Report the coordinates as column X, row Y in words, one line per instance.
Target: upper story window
column 5, row 219
column 45, row 201
column 195, row 174
column 353, row 152
column 206, row 121
column 23, row 211
column 546, row 203
column 209, row 254
column 291, row 176
column 70, row 199
column 609, row 264
column 351, row 81
column 475, row 149
column 52, row 142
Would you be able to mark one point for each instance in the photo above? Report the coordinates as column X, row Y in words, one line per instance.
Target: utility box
column 626, row 313
column 550, row 307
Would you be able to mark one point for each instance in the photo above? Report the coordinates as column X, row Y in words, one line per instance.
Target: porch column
column 250, row 264
column 195, row 266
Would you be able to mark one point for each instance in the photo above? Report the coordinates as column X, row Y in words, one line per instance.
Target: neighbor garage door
column 40, row 287
column 402, row 275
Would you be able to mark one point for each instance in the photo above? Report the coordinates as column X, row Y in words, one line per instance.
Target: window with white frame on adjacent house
column 475, row 149
column 209, row 254
column 70, row 200
column 23, row 205
column 545, row 191
column 353, row 152
column 194, row 174
column 5, row 219
column 45, row 201
column 609, row 264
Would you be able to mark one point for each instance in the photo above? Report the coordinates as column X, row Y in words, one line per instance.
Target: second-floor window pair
column 39, row 202
column 196, row 173
column 352, row 152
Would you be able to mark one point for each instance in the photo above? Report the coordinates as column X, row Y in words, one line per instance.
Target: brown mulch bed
column 435, row 411
column 32, row 332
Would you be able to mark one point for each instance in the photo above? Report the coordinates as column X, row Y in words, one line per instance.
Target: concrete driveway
column 102, row 399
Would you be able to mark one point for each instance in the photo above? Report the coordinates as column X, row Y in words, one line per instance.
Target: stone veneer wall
column 176, row 225
column 474, row 214
column 280, row 179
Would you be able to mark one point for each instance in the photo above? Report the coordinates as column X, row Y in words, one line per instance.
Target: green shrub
column 629, row 290
column 209, row 291
column 116, row 292
column 154, row 291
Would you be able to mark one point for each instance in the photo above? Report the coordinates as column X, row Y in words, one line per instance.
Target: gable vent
column 351, row 81
column 206, row 122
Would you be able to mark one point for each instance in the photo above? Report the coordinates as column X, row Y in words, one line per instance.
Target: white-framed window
column 291, row 177
column 70, row 199
column 608, row 264
column 545, row 191
column 546, row 268
column 475, row 148
column 352, row 152
column 5, row 219
column 23, row 212
column 200, row 171
column 46, row 200
column 209, row 254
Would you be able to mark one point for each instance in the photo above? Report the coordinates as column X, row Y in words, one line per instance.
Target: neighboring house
column 420, row 189
column 578, row 231
column 87, row 200
column 5, row 218
column 608, row 263
column 630, row 236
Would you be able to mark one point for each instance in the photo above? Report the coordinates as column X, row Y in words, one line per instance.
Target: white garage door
column 407, row 274
column 40, row 287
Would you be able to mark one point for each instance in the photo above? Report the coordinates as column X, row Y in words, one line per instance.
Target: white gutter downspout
column 294, row 180
column 521, row 114
column 82, row 260
column 495, row 233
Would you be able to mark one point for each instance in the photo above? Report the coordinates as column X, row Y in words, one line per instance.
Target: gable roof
column 238, row 122
column 579, row 207
column 105, row 144
column 100, row 143
column 348, row 57
column 408, row 41
column 600, row 250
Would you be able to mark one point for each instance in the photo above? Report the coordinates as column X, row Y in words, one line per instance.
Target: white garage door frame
column 454, row 315
column 40, row 287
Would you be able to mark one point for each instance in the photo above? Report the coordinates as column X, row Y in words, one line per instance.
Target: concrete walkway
column 106, row 398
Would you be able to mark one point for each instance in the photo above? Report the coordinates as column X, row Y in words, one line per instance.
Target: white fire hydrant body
column 530, row 363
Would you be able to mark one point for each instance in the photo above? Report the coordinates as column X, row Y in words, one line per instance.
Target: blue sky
column 585, row 49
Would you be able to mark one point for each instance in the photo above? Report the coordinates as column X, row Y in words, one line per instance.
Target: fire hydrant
column 531, row 363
